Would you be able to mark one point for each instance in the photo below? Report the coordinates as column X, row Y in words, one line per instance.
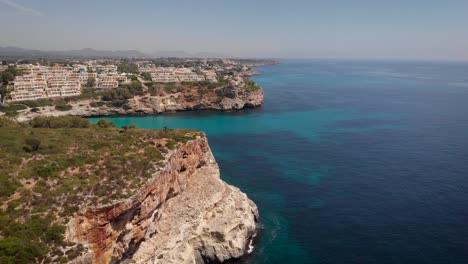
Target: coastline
column 150, row 105
column 166, row 106
column 231, row 98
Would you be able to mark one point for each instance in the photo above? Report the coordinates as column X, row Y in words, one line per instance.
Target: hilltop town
column 91, row 87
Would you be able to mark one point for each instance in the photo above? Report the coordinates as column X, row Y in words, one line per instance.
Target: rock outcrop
column 221, row 99
column 184, row 214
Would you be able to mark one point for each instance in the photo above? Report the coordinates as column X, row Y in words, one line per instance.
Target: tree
column 127, row 68
column 91, row 82
column 7, row 77
column 3, row 92
column 146, row 76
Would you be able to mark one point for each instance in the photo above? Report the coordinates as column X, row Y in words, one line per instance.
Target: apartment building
column 171, row 74
column 62, row 87
column 60, row 81
column 29, row 87
column 83, row 77
column 103, row 68
column 80, row 68
column 110, row 80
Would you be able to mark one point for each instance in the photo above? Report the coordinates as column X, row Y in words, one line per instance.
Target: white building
column 29, row 87
column 171, row 74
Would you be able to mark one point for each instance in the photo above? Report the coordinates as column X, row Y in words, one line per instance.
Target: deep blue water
column 349, row 161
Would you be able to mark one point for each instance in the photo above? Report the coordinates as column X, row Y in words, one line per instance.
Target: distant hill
column 16, row 52
column 184, row 54
column 87, row 52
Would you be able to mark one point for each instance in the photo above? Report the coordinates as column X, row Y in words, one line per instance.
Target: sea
column 348, row 161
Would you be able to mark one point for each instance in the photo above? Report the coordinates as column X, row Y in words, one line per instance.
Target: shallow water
column 348, row 161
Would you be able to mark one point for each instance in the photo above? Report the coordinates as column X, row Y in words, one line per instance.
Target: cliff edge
column 74, row 192
column 185, row 214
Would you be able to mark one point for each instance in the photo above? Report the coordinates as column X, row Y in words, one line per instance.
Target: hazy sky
column 398, row 29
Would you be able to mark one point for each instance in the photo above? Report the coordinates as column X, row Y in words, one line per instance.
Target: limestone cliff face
column 184, row 214
column 232, row 99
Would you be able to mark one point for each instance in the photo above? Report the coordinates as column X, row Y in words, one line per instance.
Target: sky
column 348, row 29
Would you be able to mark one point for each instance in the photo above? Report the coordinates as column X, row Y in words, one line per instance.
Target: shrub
column 12, row 109
column 63, row 107
column 105, row 124
column 32, row 144
column 60, row 122
column 38, row 103
column 55, row 234
column 96, row 104
column 5, row 122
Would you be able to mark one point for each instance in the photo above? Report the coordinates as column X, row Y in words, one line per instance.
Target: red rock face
column 115, row 232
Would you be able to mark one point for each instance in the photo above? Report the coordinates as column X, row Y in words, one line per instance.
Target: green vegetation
column 37, row 103
column 59, row 122
column 102, row 123
column 119, row 96
column 32, row 144
column 251, row 86
column 3, row 91
column 12, row 109
column 57, row 165
column 90, row 83
column 127, row 68
column 9, row 74
column 63, row 107
column 146, row 76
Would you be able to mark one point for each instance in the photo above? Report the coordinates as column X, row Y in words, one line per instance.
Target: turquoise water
column 348, row 161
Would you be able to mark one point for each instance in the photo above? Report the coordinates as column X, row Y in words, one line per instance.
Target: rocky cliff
column 184, row 214
column 233, row 97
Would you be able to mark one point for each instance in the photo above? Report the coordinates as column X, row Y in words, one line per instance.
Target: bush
column 119, row 103
column 12, row 109
column 96, row 104
column 32, row 144
column 54, row 234
column 63, row 107
column 5, row 122
column 60, row 122
column 20, row 250
column 105, row 124
column 146, row 76
column 38, row 103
